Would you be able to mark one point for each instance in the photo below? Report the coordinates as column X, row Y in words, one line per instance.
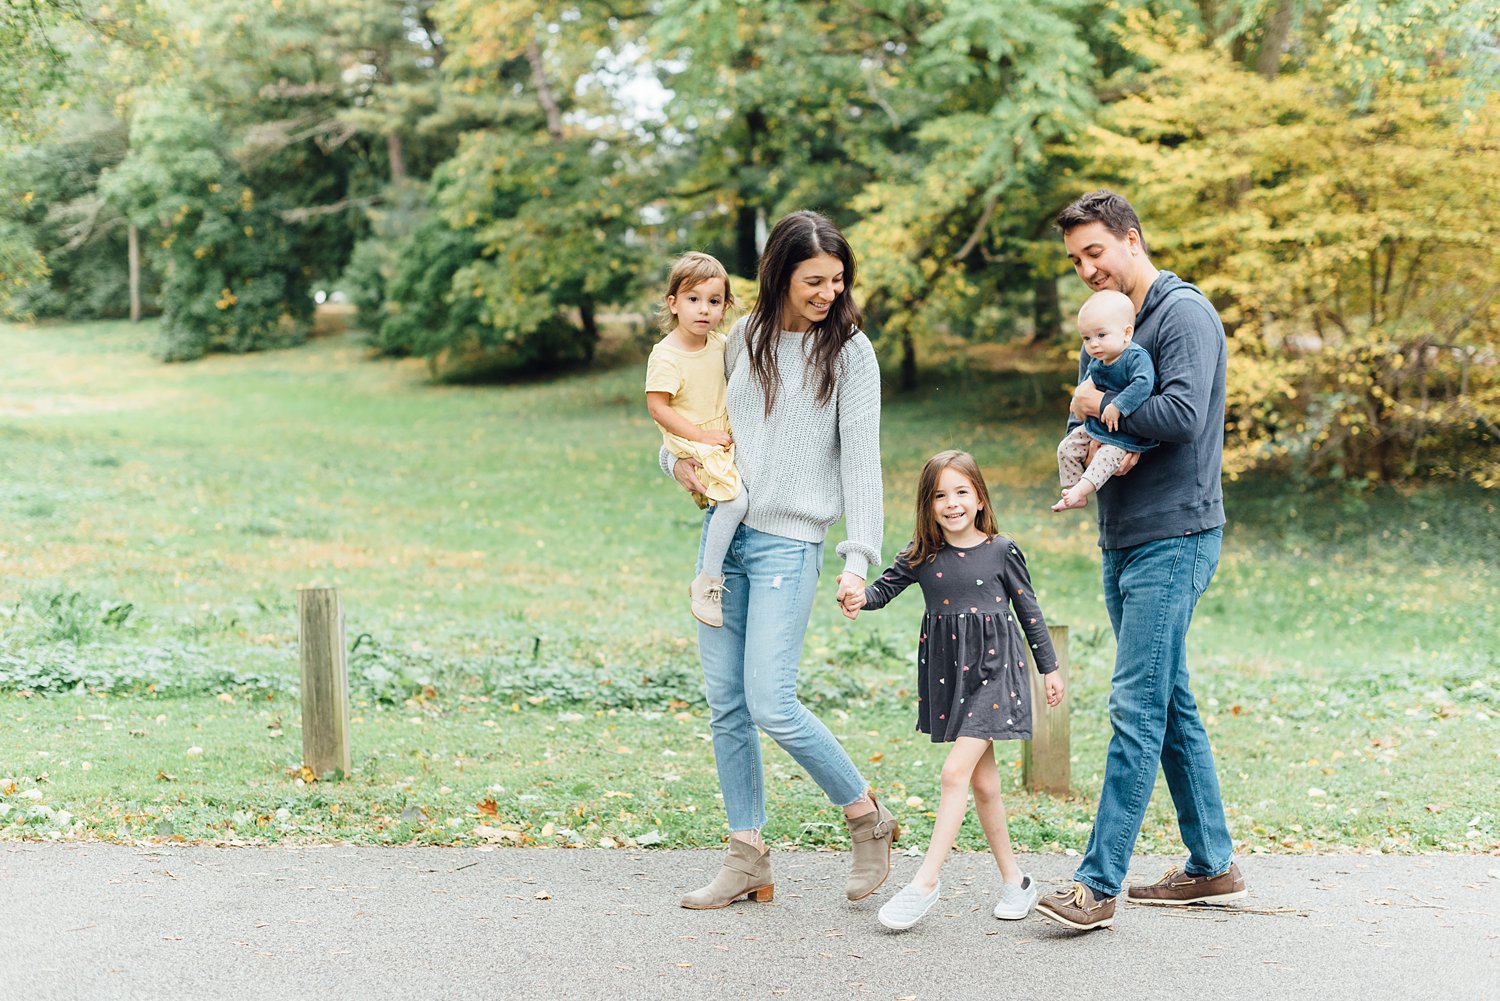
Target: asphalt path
column 94, row 921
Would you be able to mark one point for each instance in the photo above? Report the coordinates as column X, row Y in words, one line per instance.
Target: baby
column 1106, row 322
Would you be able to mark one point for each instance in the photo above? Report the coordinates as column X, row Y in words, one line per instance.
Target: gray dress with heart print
column 971, row 657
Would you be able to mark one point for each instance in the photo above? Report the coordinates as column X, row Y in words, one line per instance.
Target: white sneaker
column 707, row 594
column 908, row 906
column 1016, row 899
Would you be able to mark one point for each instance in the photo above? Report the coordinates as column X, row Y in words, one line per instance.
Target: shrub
column 232, row 279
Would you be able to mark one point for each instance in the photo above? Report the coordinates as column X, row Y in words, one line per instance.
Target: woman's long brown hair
column 797, row 238
column 927, row 536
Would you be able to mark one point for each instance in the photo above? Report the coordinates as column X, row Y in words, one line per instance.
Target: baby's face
column 1104, row 339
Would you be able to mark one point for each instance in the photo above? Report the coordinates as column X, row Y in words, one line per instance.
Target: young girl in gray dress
column 971, row 667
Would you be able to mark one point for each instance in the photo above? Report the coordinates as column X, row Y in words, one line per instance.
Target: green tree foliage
column 535, row 207
column 484, row 178
column 421, row 314
column 34, row 38
column 66, row 71
column 955, row 229
column 232, row 282
column 56, row 203
column 776, row 106
column 275, row 82
column 392, row 55
column 22, row 267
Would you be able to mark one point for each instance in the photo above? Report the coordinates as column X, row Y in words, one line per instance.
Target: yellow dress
column 695, row 381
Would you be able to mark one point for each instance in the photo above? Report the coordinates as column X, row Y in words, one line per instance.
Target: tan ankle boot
column 707, row 599
column 746, row 872
column 871, row 836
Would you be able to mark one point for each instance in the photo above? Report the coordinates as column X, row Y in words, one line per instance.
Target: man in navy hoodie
column 1160, row 529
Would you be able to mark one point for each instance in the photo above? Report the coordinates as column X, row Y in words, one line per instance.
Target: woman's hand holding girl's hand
column 1055, row 688
column 851, row 594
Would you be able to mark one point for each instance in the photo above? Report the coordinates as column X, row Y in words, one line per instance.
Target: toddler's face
column 1104, row 339
column 701, row 308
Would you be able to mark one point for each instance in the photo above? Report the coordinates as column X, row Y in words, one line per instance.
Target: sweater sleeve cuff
column 856, row 560
column 666, row 460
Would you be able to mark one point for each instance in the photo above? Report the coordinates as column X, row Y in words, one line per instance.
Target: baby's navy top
column 1133, row 377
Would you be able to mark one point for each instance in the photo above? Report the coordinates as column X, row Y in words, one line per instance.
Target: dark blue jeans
column 1150, row 591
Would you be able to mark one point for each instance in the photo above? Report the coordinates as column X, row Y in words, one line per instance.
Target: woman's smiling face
column 815, row 284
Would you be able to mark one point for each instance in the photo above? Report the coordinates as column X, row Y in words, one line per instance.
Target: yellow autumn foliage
column 1350, row 247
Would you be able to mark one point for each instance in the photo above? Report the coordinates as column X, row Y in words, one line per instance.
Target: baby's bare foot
column 1069, row 502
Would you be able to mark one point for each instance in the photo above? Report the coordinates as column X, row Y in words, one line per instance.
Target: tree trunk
column 397, row 156
column 1268, row 63
column 434, row 38
column 1046, row 312
column 745, row 255
column 746, row 244
column 590, row 323
column 908, row 381
column 544, row 91
column 133, row 243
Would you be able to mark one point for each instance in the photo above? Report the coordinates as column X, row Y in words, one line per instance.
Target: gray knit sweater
column 805, row 465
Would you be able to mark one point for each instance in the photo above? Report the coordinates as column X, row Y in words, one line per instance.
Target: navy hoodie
column 1177, row 488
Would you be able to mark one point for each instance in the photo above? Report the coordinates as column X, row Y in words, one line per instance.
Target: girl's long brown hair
column 927, row 536
column 796, row 238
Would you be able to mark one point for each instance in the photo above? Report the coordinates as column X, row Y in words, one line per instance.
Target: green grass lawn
column 515, row 570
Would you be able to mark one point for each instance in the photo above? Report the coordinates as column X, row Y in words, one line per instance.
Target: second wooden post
column 1046, row 760
column 325, row 681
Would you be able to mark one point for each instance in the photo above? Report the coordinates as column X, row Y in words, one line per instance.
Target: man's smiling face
column 1103, row 260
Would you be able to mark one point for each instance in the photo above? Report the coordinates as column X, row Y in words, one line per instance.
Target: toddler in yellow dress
column 685, row 386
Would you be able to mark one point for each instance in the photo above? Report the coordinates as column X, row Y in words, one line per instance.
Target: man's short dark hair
column 1102, row 206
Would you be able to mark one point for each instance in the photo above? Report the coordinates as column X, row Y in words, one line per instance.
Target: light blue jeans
column 1150, row 591
column 750, row 673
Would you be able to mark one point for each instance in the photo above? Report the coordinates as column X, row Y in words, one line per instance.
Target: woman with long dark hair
column 804, row 408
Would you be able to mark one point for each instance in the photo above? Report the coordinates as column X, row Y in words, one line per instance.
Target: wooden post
column 325, row 681
column 133, row 263
column 1046, row 762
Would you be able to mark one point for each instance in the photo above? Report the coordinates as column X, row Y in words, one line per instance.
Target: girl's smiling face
column 815, row 284
column 955, row 506
column 700, row 308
